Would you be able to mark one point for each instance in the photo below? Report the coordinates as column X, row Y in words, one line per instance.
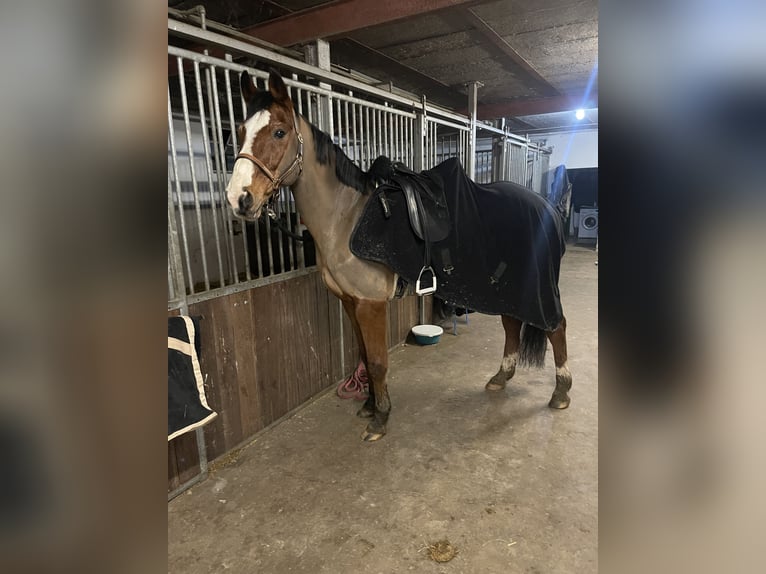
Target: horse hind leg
column 510, row 355
column 558, row 339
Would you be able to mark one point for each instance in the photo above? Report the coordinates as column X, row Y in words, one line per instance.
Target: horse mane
column 346, row 170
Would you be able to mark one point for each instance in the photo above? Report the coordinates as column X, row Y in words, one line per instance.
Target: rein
column 277, row 180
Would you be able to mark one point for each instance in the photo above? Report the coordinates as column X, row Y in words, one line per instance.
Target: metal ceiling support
column 473, row 100
column 508, row 52
column 434, row 89
column 341, row 17
column 529, row 107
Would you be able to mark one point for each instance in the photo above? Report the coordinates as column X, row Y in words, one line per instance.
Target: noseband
column 276, row 179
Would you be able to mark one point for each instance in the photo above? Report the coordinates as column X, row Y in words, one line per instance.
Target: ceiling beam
column 341, row 17
column 347, row 52
column 527, row 107
column 519, row 65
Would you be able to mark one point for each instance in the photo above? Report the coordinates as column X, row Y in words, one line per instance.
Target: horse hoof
column 374, row 431
column 559, row 402
column 365, row 413
column 494, row 386
column 368, row 436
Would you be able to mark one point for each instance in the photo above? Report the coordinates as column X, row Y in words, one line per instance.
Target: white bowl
column 427, row 334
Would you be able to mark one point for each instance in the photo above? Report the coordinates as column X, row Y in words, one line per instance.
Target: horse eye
column 279, row 134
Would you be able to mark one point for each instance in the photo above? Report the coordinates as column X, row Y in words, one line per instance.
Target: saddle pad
column 502, row 254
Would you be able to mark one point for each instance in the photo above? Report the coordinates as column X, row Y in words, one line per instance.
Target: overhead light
column 580, row 114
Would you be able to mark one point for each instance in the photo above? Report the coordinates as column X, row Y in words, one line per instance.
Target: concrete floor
column 510, row 483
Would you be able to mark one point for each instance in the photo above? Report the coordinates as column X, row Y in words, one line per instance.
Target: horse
column 279, row 147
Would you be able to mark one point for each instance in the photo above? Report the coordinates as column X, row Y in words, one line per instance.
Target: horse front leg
column 368, row 409
column 371, row 316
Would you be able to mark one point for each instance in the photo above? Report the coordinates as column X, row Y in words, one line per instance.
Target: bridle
column 276, row 179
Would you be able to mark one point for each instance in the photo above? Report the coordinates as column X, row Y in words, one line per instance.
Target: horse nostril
column 245, row 201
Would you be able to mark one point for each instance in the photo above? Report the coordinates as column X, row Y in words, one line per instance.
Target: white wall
column 573, row 149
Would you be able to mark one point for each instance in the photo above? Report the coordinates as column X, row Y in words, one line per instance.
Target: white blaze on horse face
column 242, row 174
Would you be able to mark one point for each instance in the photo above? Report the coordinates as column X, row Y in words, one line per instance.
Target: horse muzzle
column 244, row 207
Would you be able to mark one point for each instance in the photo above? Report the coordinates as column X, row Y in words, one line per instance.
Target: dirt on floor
column 509, row 484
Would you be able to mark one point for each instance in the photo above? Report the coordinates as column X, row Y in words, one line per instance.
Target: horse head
column 271, row 147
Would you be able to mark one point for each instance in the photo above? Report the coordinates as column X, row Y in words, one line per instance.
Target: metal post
column 473, row 98
column 318, row 54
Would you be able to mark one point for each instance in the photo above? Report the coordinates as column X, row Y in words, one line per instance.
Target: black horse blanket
column 187, row 404
column 501, row 255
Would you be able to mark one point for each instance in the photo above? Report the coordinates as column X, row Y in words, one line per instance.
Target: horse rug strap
column 501, row 253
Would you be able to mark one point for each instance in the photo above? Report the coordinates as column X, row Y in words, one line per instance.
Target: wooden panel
column 186, row 456
column 219, row 371
column 294, row 349
column 402, row 315
column 173, row 481
column 264, row 352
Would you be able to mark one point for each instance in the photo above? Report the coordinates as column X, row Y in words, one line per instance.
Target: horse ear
column 247, row 86
column 277, row 87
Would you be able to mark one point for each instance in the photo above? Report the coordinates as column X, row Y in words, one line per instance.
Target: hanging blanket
column 501, row 255
column 187, row 405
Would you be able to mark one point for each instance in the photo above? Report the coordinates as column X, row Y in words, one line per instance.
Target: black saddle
column 426, row 202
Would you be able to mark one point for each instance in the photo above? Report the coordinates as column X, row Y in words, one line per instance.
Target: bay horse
column 278, row 147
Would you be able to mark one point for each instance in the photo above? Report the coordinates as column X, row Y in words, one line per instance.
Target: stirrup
column 426, row 290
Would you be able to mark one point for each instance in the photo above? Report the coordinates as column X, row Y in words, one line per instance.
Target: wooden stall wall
column 264, row 352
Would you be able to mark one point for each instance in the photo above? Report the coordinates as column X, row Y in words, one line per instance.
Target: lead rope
column 274, row 216
column 356, row 386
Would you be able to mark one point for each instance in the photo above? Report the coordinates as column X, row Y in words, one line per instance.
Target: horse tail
column 561, row 191
column 533, row 346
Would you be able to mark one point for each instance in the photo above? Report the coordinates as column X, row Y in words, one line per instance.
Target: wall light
column 580, row 114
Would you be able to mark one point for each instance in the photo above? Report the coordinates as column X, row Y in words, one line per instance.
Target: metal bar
column 258, row 74
column 209, row 171
column 245, row 285
column 209, row 168
column 256, row 238
column 186, row 486
column 195, row 187
column 285, row 199
column 310, row 107
column 176, row 274
column 222, row 173
column 346, row 126
column 234, row 145
column 357, row 154
column 182, row 219
column 188, row 31
column 369, row 135
column 269, row 245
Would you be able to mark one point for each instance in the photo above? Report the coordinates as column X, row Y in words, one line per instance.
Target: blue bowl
column 427, row 334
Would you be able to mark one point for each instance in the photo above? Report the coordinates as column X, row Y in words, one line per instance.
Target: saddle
column 427, row 210
column 426, row 203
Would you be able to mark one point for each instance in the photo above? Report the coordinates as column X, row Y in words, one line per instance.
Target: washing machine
column 587, row 227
